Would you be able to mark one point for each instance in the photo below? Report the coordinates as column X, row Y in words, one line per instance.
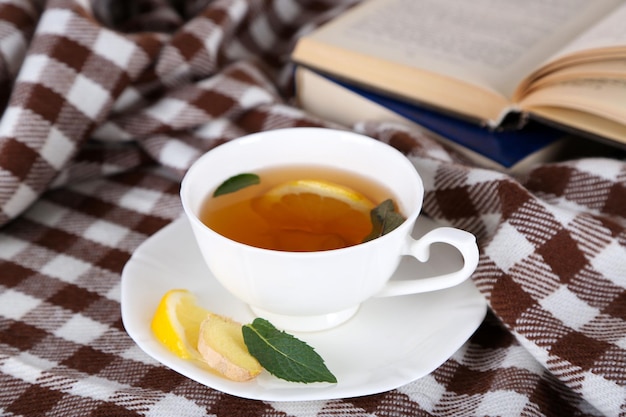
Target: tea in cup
column 297, row 240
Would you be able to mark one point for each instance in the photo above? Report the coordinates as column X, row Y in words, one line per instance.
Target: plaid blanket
column 104, row 107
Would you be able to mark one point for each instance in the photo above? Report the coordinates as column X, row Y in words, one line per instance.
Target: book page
column 491, row 43
column 606, row 69
column 607, row 33
column 603, row 97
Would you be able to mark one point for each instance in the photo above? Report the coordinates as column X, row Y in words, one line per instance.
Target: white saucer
column 390, row 342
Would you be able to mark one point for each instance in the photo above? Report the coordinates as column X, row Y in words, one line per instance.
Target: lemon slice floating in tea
column 176, row 323
column 311, row 214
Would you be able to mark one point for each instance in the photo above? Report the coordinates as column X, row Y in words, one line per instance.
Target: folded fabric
column 105, row 106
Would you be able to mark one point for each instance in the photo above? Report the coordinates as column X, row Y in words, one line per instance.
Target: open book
column 561, row 61
column 514, row 151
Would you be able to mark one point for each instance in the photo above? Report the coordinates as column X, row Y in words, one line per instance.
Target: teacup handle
column 463, row 241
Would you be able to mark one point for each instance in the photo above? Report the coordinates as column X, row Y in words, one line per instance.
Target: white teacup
column 309, row 291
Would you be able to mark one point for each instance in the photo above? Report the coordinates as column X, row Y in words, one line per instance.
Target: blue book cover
column 506, row 147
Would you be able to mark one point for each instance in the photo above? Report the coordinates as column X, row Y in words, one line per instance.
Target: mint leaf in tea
column 298, row 208
column 236, row 183
column 384, row 218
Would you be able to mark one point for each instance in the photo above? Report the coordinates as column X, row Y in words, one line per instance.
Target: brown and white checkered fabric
column 105, row 106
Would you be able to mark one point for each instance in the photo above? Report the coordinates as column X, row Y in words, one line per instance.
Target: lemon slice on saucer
column 176, row 323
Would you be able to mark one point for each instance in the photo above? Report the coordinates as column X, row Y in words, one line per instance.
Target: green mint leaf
column 235, row 183
column 283, row 355
column 384, row 218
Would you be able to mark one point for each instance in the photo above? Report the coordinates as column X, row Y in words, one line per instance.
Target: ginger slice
column 222, row 347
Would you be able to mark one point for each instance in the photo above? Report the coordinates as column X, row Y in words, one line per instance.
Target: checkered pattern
column 553, row 258
column 103, row 112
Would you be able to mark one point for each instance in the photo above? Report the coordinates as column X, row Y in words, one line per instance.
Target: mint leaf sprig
column 236, row 183
column 384, row 219
column 284, row 355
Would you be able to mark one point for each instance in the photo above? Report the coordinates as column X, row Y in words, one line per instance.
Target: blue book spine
column 504, row 146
